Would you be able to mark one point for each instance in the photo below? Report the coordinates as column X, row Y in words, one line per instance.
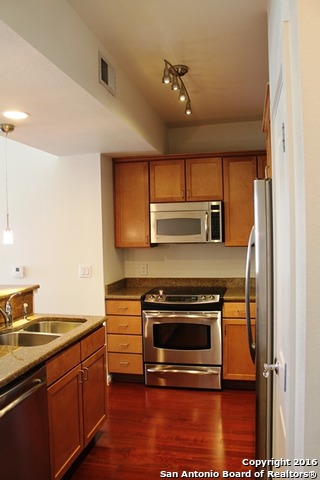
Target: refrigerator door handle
column 252, row 346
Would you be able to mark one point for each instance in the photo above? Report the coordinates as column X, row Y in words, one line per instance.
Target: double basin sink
column 43, row 331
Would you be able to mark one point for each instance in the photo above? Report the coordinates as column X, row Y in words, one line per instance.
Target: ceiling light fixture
column 7, row 233
column 172, row 74
column 15, row 115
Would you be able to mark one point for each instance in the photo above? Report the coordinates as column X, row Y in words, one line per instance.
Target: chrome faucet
column 5, row 316
column 8, row 313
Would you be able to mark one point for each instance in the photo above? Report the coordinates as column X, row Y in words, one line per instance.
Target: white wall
column 55, row 214
column 309, row 41
column 299, row 66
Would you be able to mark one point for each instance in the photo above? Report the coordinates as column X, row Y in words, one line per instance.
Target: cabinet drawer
column 63, row 363
column 93, row 342
column 125, row 343
column 125, row 363
column 124, row 324
column 238, row 309
column 123, row 307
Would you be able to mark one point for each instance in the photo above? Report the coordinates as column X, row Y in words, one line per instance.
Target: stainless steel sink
column 51, row 325
column 26, row 339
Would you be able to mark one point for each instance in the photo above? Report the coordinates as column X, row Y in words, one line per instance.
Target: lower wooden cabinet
column 237, row 363
column 76, row 399
column 124, row 339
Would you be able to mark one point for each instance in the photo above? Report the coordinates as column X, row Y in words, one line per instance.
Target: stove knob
column 203, row 297
column 151, row 297
column 160, row 293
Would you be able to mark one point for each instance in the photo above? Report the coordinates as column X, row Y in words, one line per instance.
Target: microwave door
column 185, row 227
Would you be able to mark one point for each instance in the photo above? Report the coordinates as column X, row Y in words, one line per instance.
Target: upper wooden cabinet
column 204, row 179
column 167, row 181
column 197, row 179
column 131, row 192
column 238, row 175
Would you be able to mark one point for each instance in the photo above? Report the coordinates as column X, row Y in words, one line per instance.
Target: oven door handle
column 159, row 315
column 191, row 371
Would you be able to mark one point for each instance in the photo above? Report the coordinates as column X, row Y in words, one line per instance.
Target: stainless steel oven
column 182, row 338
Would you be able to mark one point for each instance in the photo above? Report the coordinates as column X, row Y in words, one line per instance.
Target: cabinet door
column 131, row 192
column 204, row 179
column 237, row 363
column 94, row 393
column 167, row 181
column 239, row 174
column 65, row 422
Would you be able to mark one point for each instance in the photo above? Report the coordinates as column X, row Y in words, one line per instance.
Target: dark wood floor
column 154, row 430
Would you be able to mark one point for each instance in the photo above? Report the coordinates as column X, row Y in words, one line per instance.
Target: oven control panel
column 162, row 298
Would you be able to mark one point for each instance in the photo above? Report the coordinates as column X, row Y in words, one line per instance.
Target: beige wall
column 55, row 214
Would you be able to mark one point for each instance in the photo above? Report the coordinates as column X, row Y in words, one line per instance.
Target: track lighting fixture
column 7, row 233
column 172, row 74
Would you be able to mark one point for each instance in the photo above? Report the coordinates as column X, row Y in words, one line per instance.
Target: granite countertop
column 15, row 361
column 134, row 288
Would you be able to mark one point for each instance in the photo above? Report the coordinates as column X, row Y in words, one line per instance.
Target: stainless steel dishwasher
column 24, row 430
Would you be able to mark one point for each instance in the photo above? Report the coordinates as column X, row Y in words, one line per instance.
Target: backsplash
column 190, row 261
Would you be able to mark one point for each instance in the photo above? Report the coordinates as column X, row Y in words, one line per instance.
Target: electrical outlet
column 144, row 269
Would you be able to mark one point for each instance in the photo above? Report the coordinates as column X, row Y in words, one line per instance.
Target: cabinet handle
column 123, row 325
column 122, row 308
column 241, row 313
column 126, row 345
column 124, row 363
column 85, row 374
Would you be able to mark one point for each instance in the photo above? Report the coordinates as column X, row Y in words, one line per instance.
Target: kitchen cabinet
column 131, row 207
column 76, row 381
column 239, row 173
column 124, row 339
column 192, row 179
column 237, row 363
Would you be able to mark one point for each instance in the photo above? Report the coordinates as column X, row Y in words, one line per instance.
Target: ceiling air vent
column 107, row 75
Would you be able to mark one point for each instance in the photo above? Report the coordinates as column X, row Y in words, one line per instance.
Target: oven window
column 179, row 226
column 181, row 336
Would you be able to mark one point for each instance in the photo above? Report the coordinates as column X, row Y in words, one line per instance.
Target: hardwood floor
column 152, row 433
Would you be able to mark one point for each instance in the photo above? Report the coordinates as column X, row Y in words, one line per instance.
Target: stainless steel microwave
column 188, row 222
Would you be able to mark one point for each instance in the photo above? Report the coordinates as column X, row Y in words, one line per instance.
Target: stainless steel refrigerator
column 260, row 261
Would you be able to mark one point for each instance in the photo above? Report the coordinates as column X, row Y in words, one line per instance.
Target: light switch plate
column 85, row 271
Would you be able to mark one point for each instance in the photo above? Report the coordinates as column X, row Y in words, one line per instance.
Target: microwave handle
column 206, row 227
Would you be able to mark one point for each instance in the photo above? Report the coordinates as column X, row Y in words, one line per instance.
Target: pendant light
column 7, row 233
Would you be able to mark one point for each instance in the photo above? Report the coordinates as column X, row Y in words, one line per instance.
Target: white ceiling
column 223, row 42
